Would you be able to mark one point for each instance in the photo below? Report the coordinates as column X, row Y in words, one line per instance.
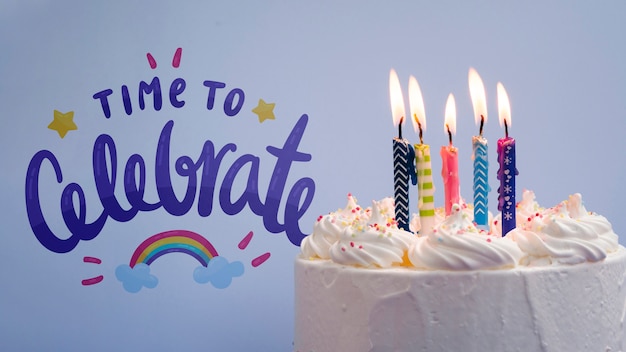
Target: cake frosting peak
column 376, row 241
column 328, row 228
column 456, row 244
column 564, row 234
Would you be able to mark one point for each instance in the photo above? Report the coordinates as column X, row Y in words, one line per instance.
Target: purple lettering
column 77, row 223
column 153, row 87
column 38, row 224
column 184, row 167
column 286, row 156
column 104, row 101
column 213, row 86
column 105, row 168
column 294, row 212
column 208, row 179
column 134, row 192
column 128, row 106
column 176, row 88
column 250, row 194
column 229, row 109
column 105, row 185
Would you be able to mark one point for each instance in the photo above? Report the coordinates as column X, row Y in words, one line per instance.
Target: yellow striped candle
column 425, row 187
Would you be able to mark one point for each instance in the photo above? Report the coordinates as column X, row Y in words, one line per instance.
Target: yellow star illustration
column 63, row 122
column 264, row 110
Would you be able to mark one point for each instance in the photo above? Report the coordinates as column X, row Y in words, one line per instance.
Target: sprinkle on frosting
column 459, row 245
column 564, row 234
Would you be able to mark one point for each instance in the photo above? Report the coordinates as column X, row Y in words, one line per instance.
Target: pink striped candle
column 450, row 158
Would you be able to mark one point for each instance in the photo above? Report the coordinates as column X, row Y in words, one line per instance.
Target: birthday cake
column 554, row 283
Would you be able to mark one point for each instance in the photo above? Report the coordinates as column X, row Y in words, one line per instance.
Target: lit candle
column 425, row 187
column 450, row 157
column 403, row 155
column 479, row 148
column 506, row 159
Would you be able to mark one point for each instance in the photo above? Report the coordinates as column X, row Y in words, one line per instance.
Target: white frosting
column 521, row 292
column 457, row 244
column 328, row 228
column 564, row 234
column 378, row 243
column 440, row 214
column 371, row 246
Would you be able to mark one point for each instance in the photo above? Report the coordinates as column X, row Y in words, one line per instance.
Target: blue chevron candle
column 481, row 180
column 479, row 155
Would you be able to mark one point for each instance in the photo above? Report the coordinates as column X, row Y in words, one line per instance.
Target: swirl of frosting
column 379, row 243
column 328, row 228
column 383, row 212
column 565, row 234
column 440, row 214
column 371, row 246
column 456, row 244
column 525, row 209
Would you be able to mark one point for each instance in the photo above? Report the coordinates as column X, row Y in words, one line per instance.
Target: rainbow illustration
column 174, row 241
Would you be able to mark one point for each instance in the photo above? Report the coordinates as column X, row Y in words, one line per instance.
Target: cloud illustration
column 219, row 272
column 135, row 278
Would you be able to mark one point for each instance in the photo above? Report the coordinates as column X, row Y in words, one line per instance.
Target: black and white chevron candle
column 401, row 181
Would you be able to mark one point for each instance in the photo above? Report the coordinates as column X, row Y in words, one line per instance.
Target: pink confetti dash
column 92, row 281
column 92, row 260
column 151, row 61
column 260, row 259
column 176, row 60
column 246, row 240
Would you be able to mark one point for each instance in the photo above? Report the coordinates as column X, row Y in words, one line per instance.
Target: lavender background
column 563, row 64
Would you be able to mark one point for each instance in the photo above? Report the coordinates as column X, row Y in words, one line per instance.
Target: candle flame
column 416, row 103
column 450, row 115
column 477, row 93
column 504, row 107
column 397, row 101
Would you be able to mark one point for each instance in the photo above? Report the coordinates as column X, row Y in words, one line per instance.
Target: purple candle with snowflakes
column 506, row 160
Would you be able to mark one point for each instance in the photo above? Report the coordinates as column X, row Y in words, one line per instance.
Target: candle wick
column 400, row 128
column 419, row 125
column 449, row 134
column 482, row 123
column 506, row 129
